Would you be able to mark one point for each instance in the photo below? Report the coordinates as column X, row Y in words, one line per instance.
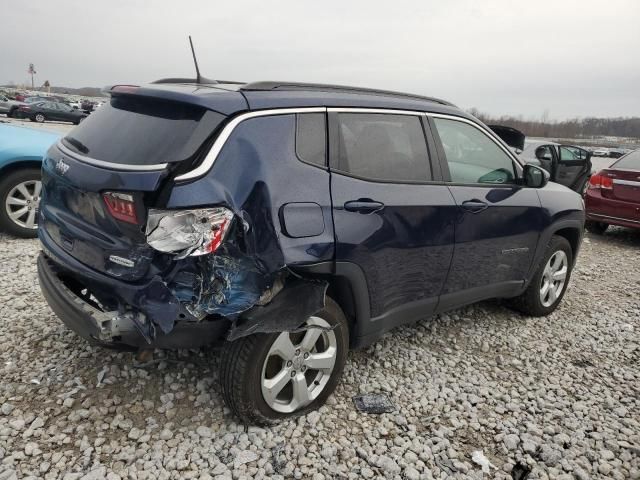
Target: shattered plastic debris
column 479, row 458
column 375, row 403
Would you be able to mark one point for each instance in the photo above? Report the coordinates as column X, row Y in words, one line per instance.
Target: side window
column 311, row 138
column 569, row 154
column 383, row 146
column 472, row 156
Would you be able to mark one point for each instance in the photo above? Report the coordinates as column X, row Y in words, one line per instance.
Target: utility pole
column 32, row 72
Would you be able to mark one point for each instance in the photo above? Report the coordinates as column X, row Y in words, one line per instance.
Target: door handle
column 474, row 206
column 363, row 205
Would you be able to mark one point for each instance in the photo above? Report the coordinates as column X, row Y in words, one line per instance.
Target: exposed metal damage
column 205, row 280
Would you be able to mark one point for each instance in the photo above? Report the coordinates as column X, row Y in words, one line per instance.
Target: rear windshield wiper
column 79, row 146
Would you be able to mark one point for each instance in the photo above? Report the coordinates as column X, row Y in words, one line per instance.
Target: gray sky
column 568, row 58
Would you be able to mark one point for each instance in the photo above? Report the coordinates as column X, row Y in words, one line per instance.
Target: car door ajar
column 391, row 218
column 498, row 220
column 574, row 167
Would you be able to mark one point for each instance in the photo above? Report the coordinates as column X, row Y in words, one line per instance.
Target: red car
column 613, row 195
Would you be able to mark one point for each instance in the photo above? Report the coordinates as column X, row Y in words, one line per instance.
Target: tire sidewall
column 6, row 185
column 253, row 383
column 556, row 244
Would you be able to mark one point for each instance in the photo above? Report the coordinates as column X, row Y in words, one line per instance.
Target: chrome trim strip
column 489, row 133
column 109, row 165
column 613, row 218
column 388, row 111
column 219, row 143
column 629, row 183
column 216, row 148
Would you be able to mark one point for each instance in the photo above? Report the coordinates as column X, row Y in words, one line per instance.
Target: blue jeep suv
column 290, row 222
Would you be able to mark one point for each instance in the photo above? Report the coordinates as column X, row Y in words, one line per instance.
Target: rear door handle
column 474, row 206
column 363, row 205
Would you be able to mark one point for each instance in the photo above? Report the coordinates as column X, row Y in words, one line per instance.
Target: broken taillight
column 121, row 206
column 599, row 180
column 188, row 232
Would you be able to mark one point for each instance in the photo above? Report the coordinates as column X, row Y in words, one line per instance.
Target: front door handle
column 363, row 205
column 474, row 206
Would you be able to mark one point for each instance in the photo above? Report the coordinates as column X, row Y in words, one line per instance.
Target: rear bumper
column 611, row 211
column 109, row 329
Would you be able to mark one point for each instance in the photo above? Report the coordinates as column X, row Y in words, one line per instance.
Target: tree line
column 574, row 128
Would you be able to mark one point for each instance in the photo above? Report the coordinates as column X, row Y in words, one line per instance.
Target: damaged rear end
column 123, row 264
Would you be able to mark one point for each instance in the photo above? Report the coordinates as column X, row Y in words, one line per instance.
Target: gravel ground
column 559, row 395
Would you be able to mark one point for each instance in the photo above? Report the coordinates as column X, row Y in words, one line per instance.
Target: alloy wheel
column 22, row 202
column 298, row 366
column 554, row 277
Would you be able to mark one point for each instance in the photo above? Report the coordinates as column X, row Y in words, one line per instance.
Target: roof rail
column 270, row 85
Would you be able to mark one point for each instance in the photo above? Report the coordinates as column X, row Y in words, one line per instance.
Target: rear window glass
column 311, row 138
column 630, row 161
column 141, row 131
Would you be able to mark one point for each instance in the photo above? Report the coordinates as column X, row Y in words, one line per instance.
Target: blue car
column 21, row 153
column 290, row 222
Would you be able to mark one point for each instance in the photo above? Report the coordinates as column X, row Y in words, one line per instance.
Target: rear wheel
column 40, row 118
column 596, row 227
column 269, row 377
column 544, row 293
column 11, row 113
column 20, row 197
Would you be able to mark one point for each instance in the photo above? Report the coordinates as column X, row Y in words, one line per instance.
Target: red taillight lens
column 599, row 180
column 121, row 206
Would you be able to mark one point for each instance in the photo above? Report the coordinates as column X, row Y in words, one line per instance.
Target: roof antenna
column 195, row 61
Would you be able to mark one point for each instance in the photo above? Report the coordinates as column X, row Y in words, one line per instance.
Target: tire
column 7, row 185
column 531, row 302
column 39, row 117
column 596, row 227
column 246, row 360
column 11, row 113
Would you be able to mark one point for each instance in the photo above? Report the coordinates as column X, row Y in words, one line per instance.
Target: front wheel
column 40, row 118
column 549, row 283
column 267, row 377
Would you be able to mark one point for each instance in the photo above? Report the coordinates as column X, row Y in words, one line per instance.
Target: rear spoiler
column 512, row 137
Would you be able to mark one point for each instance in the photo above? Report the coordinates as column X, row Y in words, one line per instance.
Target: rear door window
column 384, row 147
column 140, row 131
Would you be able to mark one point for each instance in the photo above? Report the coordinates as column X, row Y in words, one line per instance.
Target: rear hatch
column 100, row 180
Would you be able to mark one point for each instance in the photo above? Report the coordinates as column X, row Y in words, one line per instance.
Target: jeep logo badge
column 62, row 167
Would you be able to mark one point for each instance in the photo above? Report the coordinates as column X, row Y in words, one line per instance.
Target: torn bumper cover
column 241, row 301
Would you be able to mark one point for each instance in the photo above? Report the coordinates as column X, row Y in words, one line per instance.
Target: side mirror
column 534, row 176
